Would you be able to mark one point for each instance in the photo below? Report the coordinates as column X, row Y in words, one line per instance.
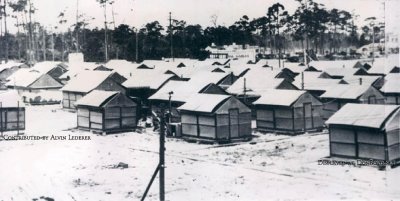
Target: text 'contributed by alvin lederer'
column 45, row 138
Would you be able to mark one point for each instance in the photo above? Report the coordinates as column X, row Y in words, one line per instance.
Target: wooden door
column 307, row 116
column 234, row 123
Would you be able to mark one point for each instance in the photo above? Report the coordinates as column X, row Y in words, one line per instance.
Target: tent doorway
column 234, row 123
column 307, row 116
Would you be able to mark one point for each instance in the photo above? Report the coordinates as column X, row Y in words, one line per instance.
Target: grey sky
column 138, row 12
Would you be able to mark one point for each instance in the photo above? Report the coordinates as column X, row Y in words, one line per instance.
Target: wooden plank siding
column 364, row 143
column 12, row 119
column 214, row 126
column 290, row 120
column 116, row 114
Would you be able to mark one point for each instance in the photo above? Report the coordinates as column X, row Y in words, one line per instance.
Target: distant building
column 392, row 43
column 234, row 51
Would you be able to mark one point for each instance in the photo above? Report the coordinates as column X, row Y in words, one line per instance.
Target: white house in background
column 392, row 43
column 234, row 51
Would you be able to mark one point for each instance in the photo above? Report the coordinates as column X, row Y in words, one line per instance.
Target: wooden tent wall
column 232, row 103
column 228, row 80
column 372, row 92
column 218, row 125
column 330, row 107
column 110, row 84
column 119, row 114
column 273, row 118
column 12, row 119
column 69, row 99
column 291, row 119
column 45, row 82
column 198, row 125
column 118, row 78
column 90, row 118
column 215, row 126
column 357, row 142
column 307, row 121
column 393, row 137
column 213, row 89
column 392, row 99
column 286, row 85
column 225, row 125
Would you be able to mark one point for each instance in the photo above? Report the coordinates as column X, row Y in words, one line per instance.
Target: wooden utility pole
column 171, row 36
column 5, row 29
column 161, row 164
column 162, row 156
column 170, row 107
column 302, row 80
column 105, row 33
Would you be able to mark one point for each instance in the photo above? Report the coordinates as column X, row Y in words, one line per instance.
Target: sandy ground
column 270, row 167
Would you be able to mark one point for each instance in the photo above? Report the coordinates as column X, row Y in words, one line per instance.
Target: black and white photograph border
column 199, row 100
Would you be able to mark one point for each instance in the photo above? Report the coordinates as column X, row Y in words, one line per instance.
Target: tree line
column 311, row 27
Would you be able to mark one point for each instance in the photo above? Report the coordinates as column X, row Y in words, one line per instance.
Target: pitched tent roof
column 392, row 83
column 365, row 80
column 347, row 91
column 86, row 81
column 345, row 72
column 23, row 77
column 363, row 115
column 27, row 77
column 184, row 89
column 312, row 81
column 184, row 72
column 203, row 102
column 279, row 97
column 384, row 65
column 10, row 64
column 96, row 98
column 204, row 77
column 321, row 65
column 76, row 68
column 238, row 70
column 257, row 80
column 123, row 67
column 175, row 86
column 186, row 61
column 10, row 99
column 152, row 81
column 46, row 66
column 254, row 86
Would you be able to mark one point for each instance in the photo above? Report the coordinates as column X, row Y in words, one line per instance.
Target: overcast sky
column 139, row 12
